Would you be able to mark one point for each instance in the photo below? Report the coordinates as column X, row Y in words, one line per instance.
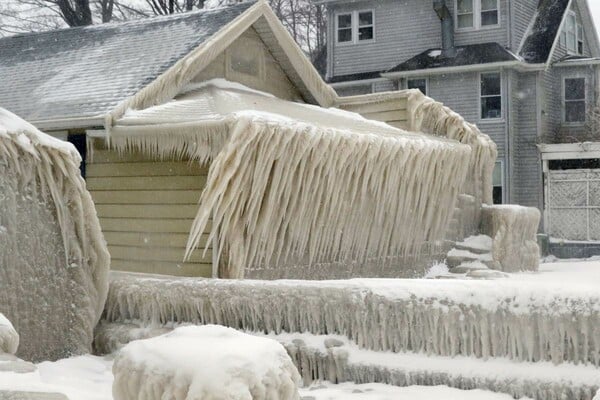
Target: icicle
column 324, row 194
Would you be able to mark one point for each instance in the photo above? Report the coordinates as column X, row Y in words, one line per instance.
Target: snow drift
column 53, row 259
column 205, row 362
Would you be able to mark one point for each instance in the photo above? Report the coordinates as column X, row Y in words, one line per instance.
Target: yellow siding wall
column 272, row 78
column 392, row 110
column 146, row 209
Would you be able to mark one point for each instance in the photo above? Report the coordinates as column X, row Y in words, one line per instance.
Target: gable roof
column 484, row 53
column 81, row 72
column 100, row 71
column 539, row 41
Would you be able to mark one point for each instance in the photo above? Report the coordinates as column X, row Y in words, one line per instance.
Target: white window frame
column 416, row 78
column 355, row 27
column 502, row 180
column 564, row 100
column 480, row 96
column 578, row 33
column 476, row 17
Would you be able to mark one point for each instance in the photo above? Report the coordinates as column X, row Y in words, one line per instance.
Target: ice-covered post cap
column 9, row 338
column 205, row 362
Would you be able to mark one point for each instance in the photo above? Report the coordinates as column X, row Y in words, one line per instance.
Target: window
column 572, row 35
column 574, row 100
column 465, row 14
column 344, row 28
column 245, row 61
column 498, row 183
column 417, row 83
column 491, row 95
column 476, row 13
column 354, row 27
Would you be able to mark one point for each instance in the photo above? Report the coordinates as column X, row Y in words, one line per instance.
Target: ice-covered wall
column 9, row 338
column 521, row 321
column 53, row 258
column 513, row 230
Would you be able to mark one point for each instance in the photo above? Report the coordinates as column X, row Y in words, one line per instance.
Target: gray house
column 525, row 71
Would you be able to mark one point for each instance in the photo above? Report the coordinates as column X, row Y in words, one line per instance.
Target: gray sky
column 595, row 6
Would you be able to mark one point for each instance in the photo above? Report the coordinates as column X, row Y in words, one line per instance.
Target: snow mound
column 9, row 338
column 205, row 362
column 53, row 258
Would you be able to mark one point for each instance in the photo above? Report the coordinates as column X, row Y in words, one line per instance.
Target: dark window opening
column 420, row 84
column 591, row 163
column 79, row 141
column 497, row 194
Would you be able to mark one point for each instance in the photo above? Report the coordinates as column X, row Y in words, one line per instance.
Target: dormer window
column 476, row 14
column 572, row 34
column 355, row 27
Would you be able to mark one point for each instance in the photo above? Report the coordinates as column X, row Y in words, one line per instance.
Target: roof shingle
column 85, row 72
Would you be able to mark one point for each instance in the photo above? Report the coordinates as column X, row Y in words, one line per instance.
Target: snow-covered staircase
column 495, row 335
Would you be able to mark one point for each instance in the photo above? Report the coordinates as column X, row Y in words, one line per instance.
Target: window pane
column 490, row 84
column 420, row 84
column 491, row 107
column 489, row 18
column 365, row 18
column 575, row 111
column 345, row 35
column 575, row 89
column 365, row 33
column 571, row 41
column 465, row 21
column 345, row 21
column 497, row 177
column 487, row 5
column 464, row 6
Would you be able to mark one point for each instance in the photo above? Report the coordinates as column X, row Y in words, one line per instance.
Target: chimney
column 448, row 49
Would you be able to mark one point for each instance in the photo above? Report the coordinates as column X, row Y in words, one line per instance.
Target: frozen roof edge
column 171, row 82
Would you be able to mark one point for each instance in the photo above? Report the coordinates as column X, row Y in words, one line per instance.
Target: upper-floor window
column 491, row 95
column 355, row 26
column 417, row 83
column 475, row 14
column 572, row 34
column 574, row 100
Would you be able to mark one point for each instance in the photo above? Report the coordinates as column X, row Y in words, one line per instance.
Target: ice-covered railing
column 526, row 321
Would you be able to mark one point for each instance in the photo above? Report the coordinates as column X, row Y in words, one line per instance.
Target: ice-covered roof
column 85, row 72
column 483, row 53
column 217, row 99
column 540, row 38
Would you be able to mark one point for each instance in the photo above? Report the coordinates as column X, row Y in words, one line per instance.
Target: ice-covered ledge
column 513, row 230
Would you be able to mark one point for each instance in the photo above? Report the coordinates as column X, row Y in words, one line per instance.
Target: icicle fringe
column 429, row 116
column 281, row 191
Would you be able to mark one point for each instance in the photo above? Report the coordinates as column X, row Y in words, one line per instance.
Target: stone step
column 337, row 359
column 480, row 244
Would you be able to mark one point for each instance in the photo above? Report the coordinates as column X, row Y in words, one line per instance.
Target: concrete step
column 337, row 359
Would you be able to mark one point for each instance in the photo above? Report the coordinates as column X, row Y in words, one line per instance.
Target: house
column 212, row 129
column 526, row 72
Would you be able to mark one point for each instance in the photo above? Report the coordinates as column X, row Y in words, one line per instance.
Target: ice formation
column 53, row 259
column 514, row 232
column 526, row 321
column 205, row 362
column 9, row 338
column 430, row 116
column 293, row 184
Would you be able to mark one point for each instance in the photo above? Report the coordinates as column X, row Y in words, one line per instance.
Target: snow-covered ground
column 90, row 378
